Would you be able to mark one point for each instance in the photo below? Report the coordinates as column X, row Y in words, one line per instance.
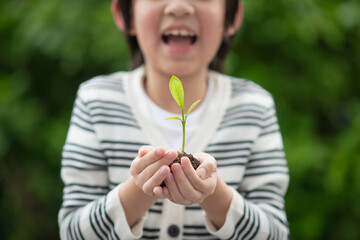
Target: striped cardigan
column 110, row 121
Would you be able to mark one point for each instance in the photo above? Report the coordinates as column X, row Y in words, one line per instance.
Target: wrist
column 222, row 191
column 130, row 189
column 217, row 204
column 134, row 201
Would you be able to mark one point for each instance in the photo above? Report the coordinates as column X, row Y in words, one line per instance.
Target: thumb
column 201, row 172
column 207, row 166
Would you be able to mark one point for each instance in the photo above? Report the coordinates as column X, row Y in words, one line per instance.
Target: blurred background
column 306, row 53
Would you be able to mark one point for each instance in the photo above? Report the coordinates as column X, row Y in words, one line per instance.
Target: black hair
column 216, row 64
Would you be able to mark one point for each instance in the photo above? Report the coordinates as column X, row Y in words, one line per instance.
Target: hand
column 186, row 186
column 150, row 168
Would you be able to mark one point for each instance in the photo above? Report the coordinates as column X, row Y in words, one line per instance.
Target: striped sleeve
column 90, row 210
column 257, row 210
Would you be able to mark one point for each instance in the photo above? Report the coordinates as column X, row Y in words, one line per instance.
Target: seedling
column 177, row 92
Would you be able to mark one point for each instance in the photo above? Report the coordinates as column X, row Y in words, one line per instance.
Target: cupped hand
column 187, row 186
column 150, row 168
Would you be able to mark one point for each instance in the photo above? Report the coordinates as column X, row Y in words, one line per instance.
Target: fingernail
column 159, row 151
column 168, row 178
column 163, row 170
column 184, row 160
column 175, row 167
column 201, row 173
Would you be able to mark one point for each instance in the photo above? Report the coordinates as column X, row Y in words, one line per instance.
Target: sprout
column 177, row 93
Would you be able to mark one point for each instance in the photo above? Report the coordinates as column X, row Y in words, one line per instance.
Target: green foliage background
column 306, row 53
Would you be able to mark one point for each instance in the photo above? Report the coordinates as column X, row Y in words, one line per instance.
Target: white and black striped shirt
column 110, row 121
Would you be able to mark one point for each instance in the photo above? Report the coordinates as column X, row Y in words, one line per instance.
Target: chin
column 181, row 69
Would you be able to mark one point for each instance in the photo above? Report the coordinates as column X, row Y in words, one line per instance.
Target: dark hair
column 216, row 64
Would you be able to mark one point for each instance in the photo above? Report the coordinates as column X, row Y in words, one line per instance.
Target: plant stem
column 183, row 128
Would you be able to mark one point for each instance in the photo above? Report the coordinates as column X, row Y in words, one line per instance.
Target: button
column 173, row 230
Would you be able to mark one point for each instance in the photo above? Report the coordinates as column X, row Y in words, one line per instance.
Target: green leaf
column 170, row 118
column 177, row 90
column 191, row 108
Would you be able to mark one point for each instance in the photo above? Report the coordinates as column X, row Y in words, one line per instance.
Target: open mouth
column 179, row 37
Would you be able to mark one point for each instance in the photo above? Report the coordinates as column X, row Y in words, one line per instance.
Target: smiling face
column 178, row 37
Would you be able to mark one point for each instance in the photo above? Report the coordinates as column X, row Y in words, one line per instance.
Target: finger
column 207, row 166
column 158, row 191
column 161, row 192
column 166, row 159
column 143, row 150
column 183, row 183
column 140, row 163
column 192, row 175
column 174, row 193
column 156, row 180
column 154, row 166
column 203, row 186
column 207, row 172
column 202, row 171
column 166, row 191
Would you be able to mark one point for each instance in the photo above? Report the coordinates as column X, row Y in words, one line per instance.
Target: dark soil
column 194, row 162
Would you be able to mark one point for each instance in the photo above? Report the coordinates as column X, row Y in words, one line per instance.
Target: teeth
column 181, row 32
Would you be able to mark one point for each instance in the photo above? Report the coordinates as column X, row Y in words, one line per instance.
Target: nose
column 179, row 8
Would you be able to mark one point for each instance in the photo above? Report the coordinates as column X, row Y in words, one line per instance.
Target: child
column 113, row 166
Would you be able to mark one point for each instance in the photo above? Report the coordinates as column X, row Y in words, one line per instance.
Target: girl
column 113, row 166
